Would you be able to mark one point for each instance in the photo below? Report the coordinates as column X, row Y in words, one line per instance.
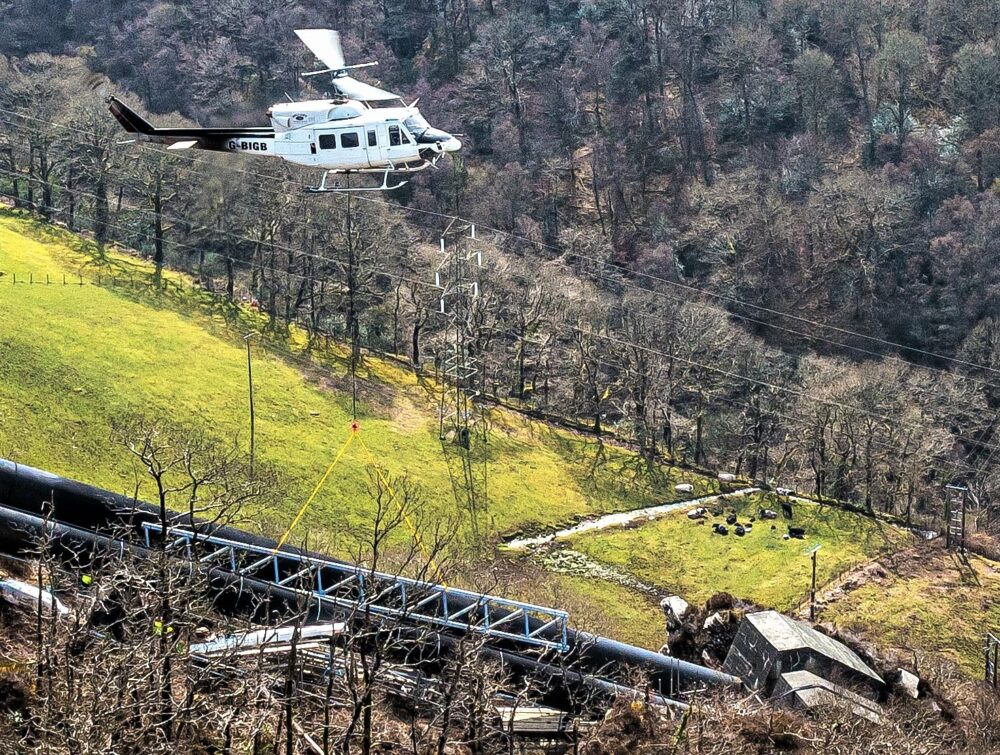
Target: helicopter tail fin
column 130, row 120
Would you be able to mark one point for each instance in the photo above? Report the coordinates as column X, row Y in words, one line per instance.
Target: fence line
column 46, row 279
column 15, row 278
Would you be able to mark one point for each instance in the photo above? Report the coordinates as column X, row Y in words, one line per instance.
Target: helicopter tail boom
column 218, row 139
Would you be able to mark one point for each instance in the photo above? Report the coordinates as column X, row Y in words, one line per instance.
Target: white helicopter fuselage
column 347, row 135
column 363, row 129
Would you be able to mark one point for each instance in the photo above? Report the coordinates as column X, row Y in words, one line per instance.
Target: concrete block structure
column 768, row 645
column 803, row 689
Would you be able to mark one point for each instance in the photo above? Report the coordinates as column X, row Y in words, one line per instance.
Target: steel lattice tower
column 462, row 426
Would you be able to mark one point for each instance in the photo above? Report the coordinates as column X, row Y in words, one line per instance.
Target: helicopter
column 359, row 129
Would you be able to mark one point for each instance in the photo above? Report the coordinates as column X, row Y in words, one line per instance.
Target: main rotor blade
column 325, row 45
column 358, row 90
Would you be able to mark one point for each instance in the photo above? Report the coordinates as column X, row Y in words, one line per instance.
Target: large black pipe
column 21, row 533
column 91, row 508
column 35, row 491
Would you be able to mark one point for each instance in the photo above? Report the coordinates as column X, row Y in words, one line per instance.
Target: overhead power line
column 543, row 245
column 731, row 374
column 570, row 328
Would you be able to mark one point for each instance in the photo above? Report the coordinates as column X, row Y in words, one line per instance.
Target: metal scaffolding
column 991, row 652
column 356, row 590
column 956, row 503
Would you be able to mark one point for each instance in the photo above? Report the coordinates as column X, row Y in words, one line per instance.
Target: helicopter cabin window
column 372, row 138
column 327, row 141
column 394, row 140
column 349, row 139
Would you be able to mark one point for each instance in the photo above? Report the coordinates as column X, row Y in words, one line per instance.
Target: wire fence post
column 991, row 654
column 247, row 338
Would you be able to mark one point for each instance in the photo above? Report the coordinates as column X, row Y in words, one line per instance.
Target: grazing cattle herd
column 740, row 529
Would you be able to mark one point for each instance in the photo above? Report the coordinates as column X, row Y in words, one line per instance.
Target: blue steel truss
column 359, row 591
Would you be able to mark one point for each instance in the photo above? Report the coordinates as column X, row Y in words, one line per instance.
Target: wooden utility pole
column 812, row 589
column 246, row 339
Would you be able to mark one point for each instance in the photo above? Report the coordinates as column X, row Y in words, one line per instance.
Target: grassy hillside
column 927, row 600
column 685, row 557
column 73, row 359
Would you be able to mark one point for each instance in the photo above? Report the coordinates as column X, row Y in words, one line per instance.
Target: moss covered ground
column 683, row 556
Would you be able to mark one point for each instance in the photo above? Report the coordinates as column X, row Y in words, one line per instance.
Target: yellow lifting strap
column 355, row 428
column 406, row 517
column 356, row 434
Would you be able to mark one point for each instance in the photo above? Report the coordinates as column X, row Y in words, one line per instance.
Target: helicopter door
column 328, row 155
column 351, row 154
column 401, row 147
column 373, row 146
column 298, row 146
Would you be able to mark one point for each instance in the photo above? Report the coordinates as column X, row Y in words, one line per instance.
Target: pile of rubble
column 702, row 634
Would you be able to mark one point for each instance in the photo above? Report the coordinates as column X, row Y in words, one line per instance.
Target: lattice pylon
column 957, row 501
column 461, row 424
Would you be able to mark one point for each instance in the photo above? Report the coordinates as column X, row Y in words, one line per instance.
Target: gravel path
column 620, row 519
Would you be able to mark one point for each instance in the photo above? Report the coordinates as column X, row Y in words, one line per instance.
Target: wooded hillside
column 755, row 235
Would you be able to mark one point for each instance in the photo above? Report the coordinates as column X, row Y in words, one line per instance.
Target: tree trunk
column 31, row 178
column 43, row 172
column 71, row 197
column 157, row 231
column 230, row 280
column 101, row 212
column 699, row 451
column 415, row 343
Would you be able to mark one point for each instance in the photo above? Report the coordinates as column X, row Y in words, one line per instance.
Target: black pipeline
column 87, row 508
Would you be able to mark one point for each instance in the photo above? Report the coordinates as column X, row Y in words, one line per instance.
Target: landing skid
column 405, row 168
column 323, row 188
column 338, row 189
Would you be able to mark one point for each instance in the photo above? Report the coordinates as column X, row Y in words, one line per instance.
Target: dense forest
column 759, row 235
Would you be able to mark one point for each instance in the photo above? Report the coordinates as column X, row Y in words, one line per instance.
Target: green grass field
column 73, row 359
column 685, row 557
